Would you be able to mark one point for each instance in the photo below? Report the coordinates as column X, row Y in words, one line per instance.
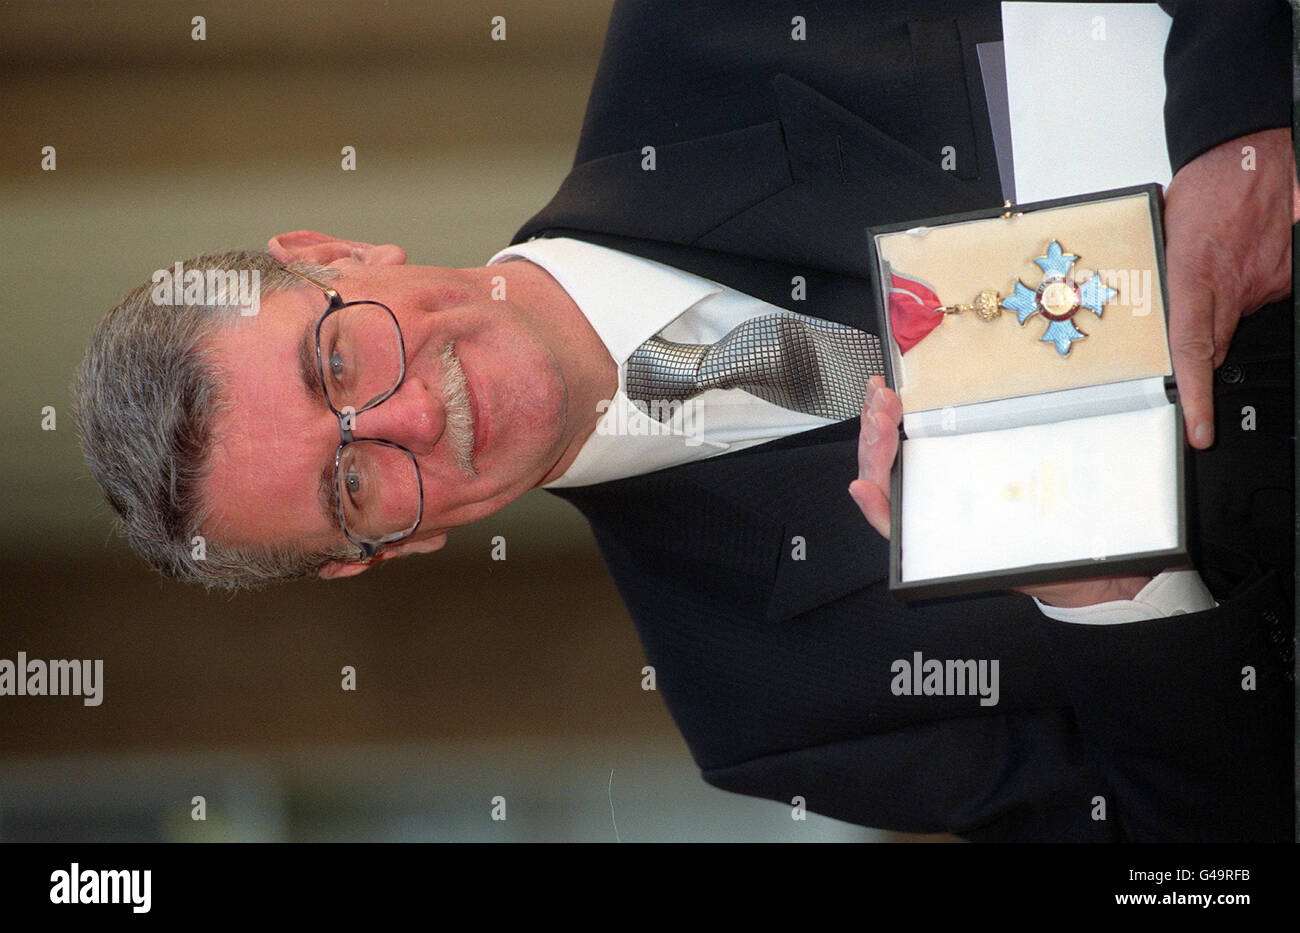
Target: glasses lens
column 360, row 354
column 379, row 491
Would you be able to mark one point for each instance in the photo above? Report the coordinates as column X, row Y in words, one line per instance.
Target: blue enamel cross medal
column 1058, row 298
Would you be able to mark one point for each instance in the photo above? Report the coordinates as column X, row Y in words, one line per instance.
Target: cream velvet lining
column 966, row 360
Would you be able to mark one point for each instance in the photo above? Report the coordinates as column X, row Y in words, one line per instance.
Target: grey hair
column 146, row 397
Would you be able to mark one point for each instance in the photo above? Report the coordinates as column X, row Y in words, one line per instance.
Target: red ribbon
column 912, row 312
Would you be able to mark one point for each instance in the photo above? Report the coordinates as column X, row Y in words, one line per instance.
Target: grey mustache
column 459, row 426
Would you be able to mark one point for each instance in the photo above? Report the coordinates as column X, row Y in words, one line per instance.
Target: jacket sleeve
column 1227, row 72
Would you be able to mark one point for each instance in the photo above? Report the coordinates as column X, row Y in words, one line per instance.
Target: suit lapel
column 848, row 175
column 797, row 191
column 694, row 186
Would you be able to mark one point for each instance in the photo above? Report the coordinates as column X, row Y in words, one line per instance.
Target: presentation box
column 1042, row 436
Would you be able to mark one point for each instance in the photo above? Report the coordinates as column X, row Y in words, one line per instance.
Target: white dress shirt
column 628, row 299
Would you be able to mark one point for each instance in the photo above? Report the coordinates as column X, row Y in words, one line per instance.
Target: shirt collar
column 627, row 299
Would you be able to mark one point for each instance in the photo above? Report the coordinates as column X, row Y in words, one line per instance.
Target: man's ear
column 338, row 569
column 322, row 249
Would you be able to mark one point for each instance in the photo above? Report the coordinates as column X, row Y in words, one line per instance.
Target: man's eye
column 336, row 366
column 352, row 482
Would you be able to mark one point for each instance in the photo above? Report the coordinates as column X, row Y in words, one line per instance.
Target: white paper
column 1092, row 488
column 1085, row 83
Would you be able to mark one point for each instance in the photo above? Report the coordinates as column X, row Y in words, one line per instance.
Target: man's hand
column 1228, row 218
column 882, row 414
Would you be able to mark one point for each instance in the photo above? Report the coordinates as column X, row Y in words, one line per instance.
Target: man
column 757, row 588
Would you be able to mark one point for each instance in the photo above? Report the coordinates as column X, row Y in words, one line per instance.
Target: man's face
column 275, row 441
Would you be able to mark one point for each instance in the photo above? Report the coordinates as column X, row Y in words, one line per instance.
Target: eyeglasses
column 361, row 362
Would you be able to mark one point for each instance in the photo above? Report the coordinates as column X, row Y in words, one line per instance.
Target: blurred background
column 476, row 679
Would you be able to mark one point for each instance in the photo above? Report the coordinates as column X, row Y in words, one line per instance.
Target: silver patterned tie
column 792, row 360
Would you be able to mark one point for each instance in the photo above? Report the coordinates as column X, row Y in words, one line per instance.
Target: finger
column 867, row 434
column 877, row 447
column 878, row 435
column 874, row 504
column 886, row 413
column 1191, row 344
column 1196, row 391
column 886, row 400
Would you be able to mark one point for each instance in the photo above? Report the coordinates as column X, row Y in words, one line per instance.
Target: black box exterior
column 1145, row 563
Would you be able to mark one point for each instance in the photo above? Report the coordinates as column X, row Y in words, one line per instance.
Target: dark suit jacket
column 772, row 156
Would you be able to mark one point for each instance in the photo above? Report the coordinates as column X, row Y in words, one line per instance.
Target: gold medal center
column 1059, row 298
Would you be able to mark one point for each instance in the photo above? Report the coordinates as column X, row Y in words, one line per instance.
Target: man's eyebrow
column 308, row 372
column 328, row 495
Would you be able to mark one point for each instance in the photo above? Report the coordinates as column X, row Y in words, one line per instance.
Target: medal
column 1058, row 299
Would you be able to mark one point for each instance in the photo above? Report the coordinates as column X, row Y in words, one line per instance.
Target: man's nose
column 412, row 416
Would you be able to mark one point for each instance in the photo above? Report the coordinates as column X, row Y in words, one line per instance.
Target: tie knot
column 775, row 350
column 661, row 370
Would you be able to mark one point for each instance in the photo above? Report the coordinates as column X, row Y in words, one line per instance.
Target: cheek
column 541, row 415
column 529, row 388
column 436, row 296
column 536, row 403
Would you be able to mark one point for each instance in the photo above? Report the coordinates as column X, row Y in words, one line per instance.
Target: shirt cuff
column 1172, row 593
